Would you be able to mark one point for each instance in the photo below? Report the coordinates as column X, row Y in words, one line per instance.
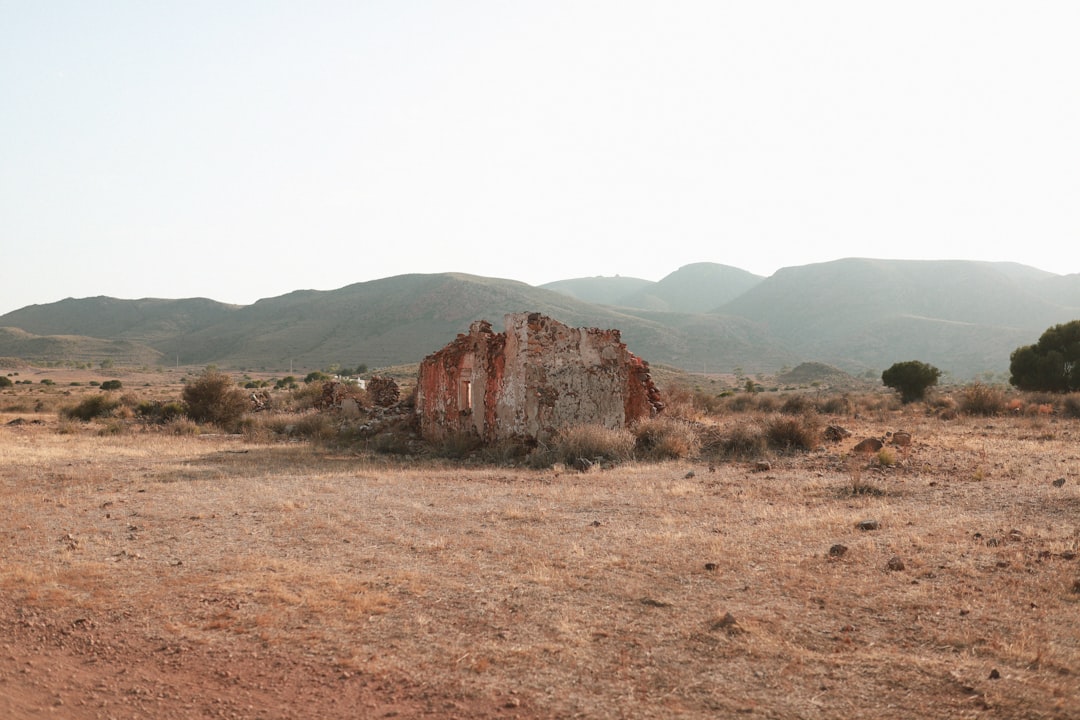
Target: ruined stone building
column 528, row 383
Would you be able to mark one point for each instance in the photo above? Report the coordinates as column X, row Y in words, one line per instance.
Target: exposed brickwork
column 531, row 381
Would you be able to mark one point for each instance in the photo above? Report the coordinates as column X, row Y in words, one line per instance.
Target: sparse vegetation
column 91, row 407
column 799, row 433
column 980, row 399
column 911, row 379
column 339, row 568
column 592, row 444
column 214, row 398
column 339, row 564
column 664, row 438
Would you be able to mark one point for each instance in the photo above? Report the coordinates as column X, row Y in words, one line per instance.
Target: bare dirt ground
column 150, row 575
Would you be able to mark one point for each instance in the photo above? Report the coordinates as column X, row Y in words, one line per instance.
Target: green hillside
column 855, row 314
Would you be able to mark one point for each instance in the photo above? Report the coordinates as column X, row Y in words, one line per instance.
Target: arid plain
column 146, row 573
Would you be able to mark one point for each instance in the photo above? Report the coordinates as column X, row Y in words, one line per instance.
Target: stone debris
column 835, row 433
column 901, row 438
column 869, row 445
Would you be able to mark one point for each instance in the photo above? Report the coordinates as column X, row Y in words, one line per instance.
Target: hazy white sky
column 238, row 149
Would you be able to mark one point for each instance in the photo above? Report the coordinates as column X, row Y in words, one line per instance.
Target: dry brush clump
column 593, row 444
column 665, row 438
column 984, row 400
column 214, row 398
column 793, row 432
column 1070, row 405
column 91, row 407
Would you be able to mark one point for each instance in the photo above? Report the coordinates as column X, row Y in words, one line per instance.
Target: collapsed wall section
column 537, row 378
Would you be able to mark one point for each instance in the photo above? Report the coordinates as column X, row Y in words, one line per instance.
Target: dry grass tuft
column 664, row 438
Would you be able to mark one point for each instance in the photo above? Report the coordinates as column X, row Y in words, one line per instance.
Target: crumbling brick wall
column 536, row 378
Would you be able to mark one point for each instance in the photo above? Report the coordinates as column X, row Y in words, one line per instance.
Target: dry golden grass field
column 145, row 574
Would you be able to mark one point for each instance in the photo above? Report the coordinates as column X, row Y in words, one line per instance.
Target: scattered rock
column 595, row 523
column 901, row 438
column 583, row 464
column 689, row 475
column 762, row 466
column 868, row 525
column 895, row 564
column 728, row 624
column 652, row 602
column 837, row 550
column 868, row 445
column 835, row 433
column 1057, row 483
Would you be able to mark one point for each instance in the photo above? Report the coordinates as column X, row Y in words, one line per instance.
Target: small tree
column 1050, row 365
column 213, row 397
column 911, row 378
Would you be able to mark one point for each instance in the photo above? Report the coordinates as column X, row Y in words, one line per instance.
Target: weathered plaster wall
column 536, row 378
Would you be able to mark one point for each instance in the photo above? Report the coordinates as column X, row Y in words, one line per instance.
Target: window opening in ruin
column 465, row 402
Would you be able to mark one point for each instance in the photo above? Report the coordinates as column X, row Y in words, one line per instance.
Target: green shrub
column 92, row 406
column 665, row 438
column 911, row 379
column 5, row 381
column 158, row 411
column 214, row 398
column 111, row 385
column 1070, row 405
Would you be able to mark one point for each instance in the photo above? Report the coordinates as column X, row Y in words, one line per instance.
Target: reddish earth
column 72, row 666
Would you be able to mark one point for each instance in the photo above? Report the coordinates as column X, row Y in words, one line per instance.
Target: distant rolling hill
column 75, row 348
column 965, row 317
column 404, row 318
column 694, row 288
column 856, row 314
column 600, row 290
